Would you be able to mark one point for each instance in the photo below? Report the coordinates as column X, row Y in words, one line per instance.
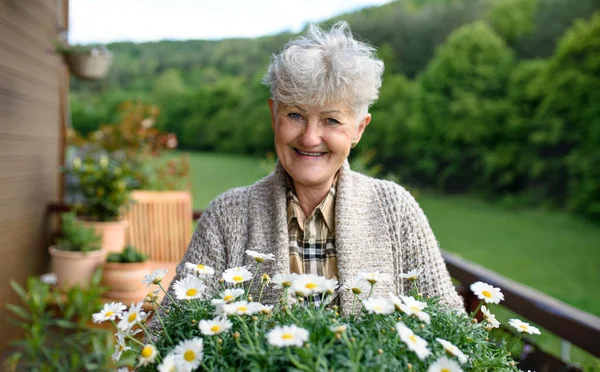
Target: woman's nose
column 311, row 137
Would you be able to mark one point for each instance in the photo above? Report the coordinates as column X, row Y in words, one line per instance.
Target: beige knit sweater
column 379, row 227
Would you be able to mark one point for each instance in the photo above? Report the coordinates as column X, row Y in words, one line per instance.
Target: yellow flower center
column 200, row 267
column 413, row 339
column 445, row 370
column 356, row 291
column 189, row 356
column 259, row 259
column 228, row 297
column 109, row 313
column 215, row 328
column 523, row 327
column 191, row 292
column 371, row 280
column 237, row 278
column 286, row 284
column 147, row 351
column 487, row 294
column 132, row 317
column 242, row 308
column 415, row 309
column 287, row 336
column 311, row 285
column 377, row 308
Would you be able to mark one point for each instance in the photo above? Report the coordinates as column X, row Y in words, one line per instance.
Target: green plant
column 105, row 184
column 232, row 332
column 57, row 335
column 128, row 255
column 77, row 237
column 63, row 48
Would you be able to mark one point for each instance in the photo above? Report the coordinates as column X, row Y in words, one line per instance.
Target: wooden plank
column 12, row 106
column 576, row 326
column 16, row 209
column 31, row 10
column 13, row 38
column 23, row 86
column 32, row 102
column 42, row 74
column 28, row 27
column 29, row 127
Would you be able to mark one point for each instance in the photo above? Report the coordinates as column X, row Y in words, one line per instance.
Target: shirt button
column 311, row 241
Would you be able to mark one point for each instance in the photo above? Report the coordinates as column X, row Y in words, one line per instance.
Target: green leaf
column 19, row 311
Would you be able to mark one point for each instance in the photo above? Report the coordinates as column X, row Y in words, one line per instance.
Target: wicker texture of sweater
column 379, row 227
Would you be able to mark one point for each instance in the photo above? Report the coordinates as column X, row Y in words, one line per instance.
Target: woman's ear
column 361, row 127
column 272, row 108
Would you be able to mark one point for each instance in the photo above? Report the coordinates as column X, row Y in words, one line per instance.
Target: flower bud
column 254, row 318
column 265, row 278
column 103, row 161
column 380, row 351
column 76, row 163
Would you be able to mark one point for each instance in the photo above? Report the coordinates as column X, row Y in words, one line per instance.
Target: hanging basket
column 89, row 67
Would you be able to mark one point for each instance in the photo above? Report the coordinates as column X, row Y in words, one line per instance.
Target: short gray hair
column 326, row 67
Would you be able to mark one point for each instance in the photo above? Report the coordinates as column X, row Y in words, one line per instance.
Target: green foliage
column 128, row 255
column 77, row 237
column 461, row 109
column 57, row 335
column 512, row 19
column 104, row 183
column 569, row 134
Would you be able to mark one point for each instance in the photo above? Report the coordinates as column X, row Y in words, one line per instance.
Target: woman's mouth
column 309, row 153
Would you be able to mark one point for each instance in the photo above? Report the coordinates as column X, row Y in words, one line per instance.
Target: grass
column 554, row 253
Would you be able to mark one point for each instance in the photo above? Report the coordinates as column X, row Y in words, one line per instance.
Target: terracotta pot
column 124, row 280
column 75, row 268
column 113, row 234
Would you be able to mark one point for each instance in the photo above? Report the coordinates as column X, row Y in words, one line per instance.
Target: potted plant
column 77, row 254
column 123, row 274
column 86, row 62
column 104, row 185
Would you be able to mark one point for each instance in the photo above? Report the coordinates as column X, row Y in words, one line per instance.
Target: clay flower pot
column 124, row 280
column 75, row 268
column 113, row 233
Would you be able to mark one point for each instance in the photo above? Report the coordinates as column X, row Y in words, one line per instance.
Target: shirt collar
column 326, row 207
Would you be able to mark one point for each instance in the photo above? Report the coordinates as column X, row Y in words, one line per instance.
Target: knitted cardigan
column 379, row 227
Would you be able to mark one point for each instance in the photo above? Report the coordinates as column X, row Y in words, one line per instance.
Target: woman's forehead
column 327, row 108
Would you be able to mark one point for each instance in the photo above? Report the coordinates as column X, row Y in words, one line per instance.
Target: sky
column 104, row 21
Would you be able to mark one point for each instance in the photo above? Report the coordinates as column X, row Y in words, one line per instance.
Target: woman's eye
column 294, row 116
column 332, row 121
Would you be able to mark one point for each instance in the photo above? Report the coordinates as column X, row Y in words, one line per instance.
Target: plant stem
column 296, row 363
column 161, row 322
column 168, row 295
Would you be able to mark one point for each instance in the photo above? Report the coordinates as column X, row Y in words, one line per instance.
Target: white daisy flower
column 453, row 350
column 411, row 274
column 214, row 327
column 413, row 307
column 524, row 327
column 283, row 280
column 188, row 354
column 260, row 257
column 357, row 286
column 109, row 312
column 414, row 342
column 147, row 355
column 120, row 347
column 375, row 277
column 266, row 309
column 490, row 318
column 378, row 306
column 309, row 284
column 134, row 315
column 155, row 278
column 242, row 308
column 287, row 336
column 228, row 296
column 338, row 328
column 444, row 365
column 330, row 285
column 237, row 275
column 168, row 364
column 487, row 293
column 201, row 270
column 189, row 288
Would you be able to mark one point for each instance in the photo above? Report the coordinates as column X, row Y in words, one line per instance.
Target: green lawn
column 555, row 253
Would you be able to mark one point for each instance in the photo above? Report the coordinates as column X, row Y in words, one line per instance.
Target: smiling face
column 312, row 142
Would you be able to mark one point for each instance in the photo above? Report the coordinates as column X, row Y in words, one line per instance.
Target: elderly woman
column 314, row 214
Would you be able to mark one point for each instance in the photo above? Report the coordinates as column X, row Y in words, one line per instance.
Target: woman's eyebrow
column 331, row 112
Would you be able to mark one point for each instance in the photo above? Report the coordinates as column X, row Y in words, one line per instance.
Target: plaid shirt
column 312, row 238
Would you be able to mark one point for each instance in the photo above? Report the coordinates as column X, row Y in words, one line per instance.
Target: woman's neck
column 311, row 196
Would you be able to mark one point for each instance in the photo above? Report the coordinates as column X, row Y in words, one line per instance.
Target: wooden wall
column 32, row 82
